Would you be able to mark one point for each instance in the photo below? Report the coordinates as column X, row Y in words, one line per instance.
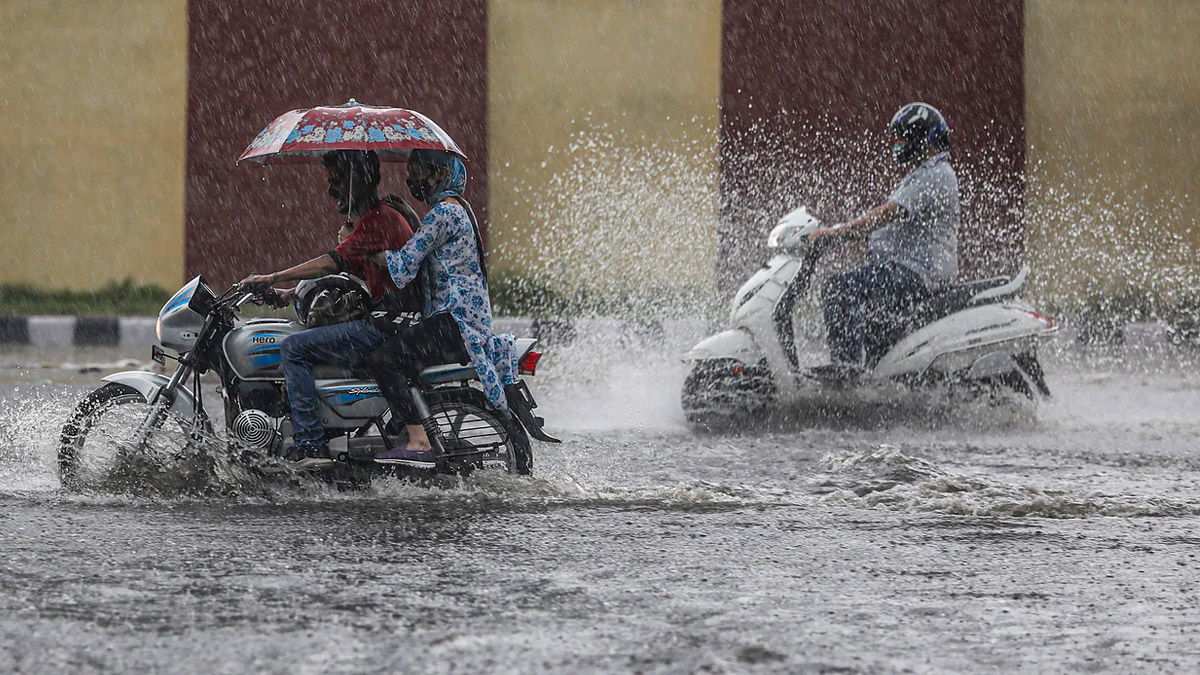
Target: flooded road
column 896, row 534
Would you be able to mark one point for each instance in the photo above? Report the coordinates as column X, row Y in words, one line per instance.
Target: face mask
column 420, row 189
column 906, row 154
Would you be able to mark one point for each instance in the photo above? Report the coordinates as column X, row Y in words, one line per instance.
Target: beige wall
column 1113, row 119
column 603, row 117
column 603, row 124
column 91, row 164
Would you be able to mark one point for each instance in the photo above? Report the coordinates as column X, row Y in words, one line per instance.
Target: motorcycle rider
column 458, row 311
column 913, row 247
column 353, row 179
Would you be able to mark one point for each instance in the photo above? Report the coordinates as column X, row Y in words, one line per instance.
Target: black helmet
column 332, row 299
column 923, row 127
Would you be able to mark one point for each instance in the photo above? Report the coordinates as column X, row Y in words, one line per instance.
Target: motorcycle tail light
column 529, row 362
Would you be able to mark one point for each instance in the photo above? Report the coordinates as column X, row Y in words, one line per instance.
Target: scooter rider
column 913, row 247
column 458, row 311
column 353, row 179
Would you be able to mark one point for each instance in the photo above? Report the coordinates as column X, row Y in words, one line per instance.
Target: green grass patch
column 113, row 299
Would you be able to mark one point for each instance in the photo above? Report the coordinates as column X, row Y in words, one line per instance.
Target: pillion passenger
column 913, row 247
column 458, row 311
column 353, row 179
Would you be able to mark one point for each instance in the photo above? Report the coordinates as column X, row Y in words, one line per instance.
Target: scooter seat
column 947, row 301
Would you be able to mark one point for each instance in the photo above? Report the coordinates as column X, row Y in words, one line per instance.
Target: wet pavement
column 877, row 534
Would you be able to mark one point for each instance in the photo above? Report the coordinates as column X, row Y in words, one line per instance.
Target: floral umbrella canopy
column 303, row 136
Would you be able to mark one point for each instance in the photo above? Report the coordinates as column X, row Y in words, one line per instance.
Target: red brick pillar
column 251, row 60
column 808, row 87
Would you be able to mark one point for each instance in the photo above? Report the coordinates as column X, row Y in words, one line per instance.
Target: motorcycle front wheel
column 96, row 449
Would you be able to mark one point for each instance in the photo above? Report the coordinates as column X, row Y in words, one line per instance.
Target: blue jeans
column 339, row 344
column 865, row 309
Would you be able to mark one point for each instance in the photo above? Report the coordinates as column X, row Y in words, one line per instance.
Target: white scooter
column 977, row 334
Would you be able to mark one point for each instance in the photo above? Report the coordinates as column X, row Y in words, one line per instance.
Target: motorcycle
column 113, row 426
column 978, row 334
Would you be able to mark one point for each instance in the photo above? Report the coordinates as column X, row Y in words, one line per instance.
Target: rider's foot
column 309, row 456
column 419, row 458
column 836, row 373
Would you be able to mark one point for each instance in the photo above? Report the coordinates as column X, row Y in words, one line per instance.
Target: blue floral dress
column 445, row 246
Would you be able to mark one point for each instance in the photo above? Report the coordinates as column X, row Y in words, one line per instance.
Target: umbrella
column 305, row 135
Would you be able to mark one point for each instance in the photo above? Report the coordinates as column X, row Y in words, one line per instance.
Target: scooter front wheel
column 721, row 393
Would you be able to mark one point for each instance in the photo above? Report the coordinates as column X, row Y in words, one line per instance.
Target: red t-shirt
column 380, row 229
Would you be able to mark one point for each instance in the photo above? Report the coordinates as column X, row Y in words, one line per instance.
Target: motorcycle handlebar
column 264, row 293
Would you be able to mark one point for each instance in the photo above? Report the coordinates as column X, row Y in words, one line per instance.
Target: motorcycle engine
column 255, row 428
column 264, row 396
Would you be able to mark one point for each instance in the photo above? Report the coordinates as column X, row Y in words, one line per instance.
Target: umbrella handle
column 350, row 194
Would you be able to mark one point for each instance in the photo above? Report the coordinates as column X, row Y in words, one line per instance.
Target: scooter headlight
column 778, row 235
column 792, row 229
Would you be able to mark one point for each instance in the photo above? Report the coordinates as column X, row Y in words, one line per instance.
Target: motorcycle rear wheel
column 476, row 438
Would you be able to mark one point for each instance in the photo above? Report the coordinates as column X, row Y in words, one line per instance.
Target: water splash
column 887, row 478
column 627, row 229
column 30, row 422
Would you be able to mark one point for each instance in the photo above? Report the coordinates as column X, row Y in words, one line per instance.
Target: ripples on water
column 1108, row 433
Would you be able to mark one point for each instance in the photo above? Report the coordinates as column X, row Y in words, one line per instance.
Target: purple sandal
column 421, row 459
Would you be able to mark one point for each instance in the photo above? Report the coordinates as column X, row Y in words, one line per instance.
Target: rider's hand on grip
column 255, row 287
column 273, row 298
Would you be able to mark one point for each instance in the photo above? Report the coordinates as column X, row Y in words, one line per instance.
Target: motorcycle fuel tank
column 253, row 349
